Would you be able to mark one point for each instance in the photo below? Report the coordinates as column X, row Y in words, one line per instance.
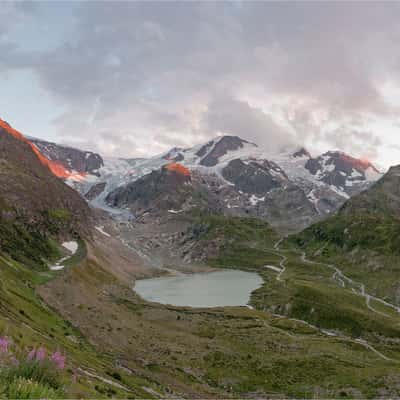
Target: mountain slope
column 34, row 203
column 290, row 190
column 73, row 160
column 156, row 350
column 364, row 237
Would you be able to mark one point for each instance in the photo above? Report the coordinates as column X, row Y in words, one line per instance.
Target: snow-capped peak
column 301, row 153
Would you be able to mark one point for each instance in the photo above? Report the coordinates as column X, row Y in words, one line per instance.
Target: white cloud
column 134, row 77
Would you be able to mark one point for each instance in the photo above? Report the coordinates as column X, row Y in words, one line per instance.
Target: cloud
column 229, row 116
column 134, row 78
column 364, row 144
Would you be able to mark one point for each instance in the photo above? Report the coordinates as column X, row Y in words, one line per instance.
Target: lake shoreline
column 205, row 289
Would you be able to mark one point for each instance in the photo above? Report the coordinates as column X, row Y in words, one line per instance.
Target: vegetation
column 21, row 388
column 308, row 291
column 31, row 323
column 159, row 351
column 33, row 245
column 379, row 233
column 34, row 376
column 27, row 245
column 239, row 242
column 366, row 246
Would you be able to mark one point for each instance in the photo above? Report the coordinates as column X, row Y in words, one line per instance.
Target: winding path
column 338, row 276
column 342, row 279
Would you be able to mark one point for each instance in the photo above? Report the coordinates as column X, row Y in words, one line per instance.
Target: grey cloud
column 150, row 73
column 233, row 117
column 360, row 143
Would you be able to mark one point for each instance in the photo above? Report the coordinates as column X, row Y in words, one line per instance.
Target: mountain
column 303, row 335
column 383, row 198
column 73, row 160
column 164, row 189
column 342, row 171
column 364, row 237
column 290, row 190
column 35, row 205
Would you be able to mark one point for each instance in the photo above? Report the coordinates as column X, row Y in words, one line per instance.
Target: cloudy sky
column 134, row 79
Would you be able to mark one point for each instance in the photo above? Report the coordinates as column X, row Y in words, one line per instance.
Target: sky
column 133, row 79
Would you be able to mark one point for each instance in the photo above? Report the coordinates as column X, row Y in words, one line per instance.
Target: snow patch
column 57, row 267
column 71, row 246
column 254, row 200
column 101, row 230
column 356, row 174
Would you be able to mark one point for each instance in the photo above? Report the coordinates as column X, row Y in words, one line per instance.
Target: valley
column 228, row 304
column 199, row 200
column 290, row 322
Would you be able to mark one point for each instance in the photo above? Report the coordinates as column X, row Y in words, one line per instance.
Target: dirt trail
column 358, row 288
column 342, row 279
column 338, row 276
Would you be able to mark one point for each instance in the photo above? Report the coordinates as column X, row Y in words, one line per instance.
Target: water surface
column 214, row 289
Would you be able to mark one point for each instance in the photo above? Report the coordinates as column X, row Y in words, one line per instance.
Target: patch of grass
column 373, row 232
column 240, row 242
column 43, row 373
column 22, row 388
column 365, row 246
column 27, row 244
column 235, row 229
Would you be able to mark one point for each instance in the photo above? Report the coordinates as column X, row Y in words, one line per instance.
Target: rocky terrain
column 35, row 205
column 290, row 190
column 74, row 160
column 155, row 200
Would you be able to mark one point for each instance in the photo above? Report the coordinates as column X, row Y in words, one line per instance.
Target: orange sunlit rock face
column 176, row 167
column 56, row 168
column 360, row 164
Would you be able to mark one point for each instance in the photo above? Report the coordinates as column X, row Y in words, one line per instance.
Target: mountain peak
column 178, row 168
column 234, row 140
column 302, row 152
column 360, row 164
column 217, row 148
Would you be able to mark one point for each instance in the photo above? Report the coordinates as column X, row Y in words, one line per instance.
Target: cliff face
column 76, row 162
column 34, row 203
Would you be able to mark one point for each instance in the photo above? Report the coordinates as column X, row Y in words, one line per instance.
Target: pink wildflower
column 4, row 343
column 58, row 359
column 31, row 355
column 15, row 361
column 40, row 354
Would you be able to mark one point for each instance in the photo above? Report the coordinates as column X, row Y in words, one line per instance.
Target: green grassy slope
column 363, row 238
column 308, row 291
column 29, row 322
column 208, row 353
column 159, row 351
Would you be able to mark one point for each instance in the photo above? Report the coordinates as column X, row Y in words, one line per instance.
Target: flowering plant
column 31, row 372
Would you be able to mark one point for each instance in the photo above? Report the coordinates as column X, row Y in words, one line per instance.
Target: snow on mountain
column 250, row 179
column 73, row 160
column 343, row 172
